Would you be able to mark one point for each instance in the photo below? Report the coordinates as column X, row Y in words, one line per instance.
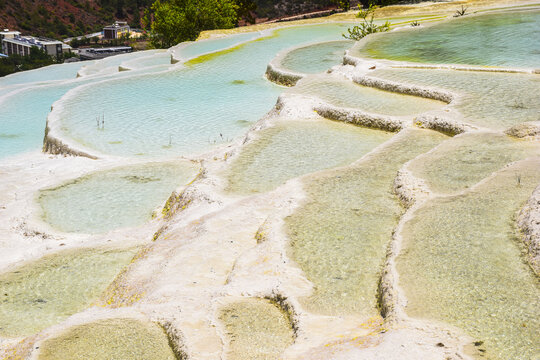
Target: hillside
column 67, row 18
column 64, row 18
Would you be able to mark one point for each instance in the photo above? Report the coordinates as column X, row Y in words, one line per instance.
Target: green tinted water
column 493, row 100
column 292, row 149
column 45, row 292
column 465, row 160
column 256, row 329
column 345, row 93
column 316, row 58
column 114, row 198
column 118, row 339
column 339, row 236
column 501, row 39
column 461, row 264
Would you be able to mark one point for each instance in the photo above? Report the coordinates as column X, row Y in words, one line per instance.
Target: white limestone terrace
column 177, row 52
column 276, row 73
column 175, row 287
column 529, row 223
column 211, row 248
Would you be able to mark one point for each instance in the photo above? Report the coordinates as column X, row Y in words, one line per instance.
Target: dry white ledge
column 529, row 224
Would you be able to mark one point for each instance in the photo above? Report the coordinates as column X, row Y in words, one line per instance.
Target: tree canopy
column 181, row 20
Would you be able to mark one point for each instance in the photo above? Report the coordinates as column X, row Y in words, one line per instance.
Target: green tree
column 245, row 10
column 180, row 20
column 345, row 5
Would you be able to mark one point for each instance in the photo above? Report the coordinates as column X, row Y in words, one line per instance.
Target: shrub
column 367, row 26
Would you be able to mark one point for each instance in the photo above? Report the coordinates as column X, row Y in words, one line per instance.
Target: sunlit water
column 256, row 329
column 22, row 119
column 344, row 93
column 114, row 198
column 44, row 74
column 292, row 149
column 461, row 162
column 462, row 264
column 47, row 291
column 119, row 339
column 154, row 58
column 500, row 39
column 198, row 48
column 144, row 113
column 316, row 58
column 492, row 100
column 339, row 236
column 24, row 111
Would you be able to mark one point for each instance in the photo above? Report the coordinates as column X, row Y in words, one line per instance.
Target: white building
column 14, row 43
column 6, row 34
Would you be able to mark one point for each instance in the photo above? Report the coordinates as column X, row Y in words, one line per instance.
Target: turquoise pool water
column 316, row 58
column 186, row 110
column 154, row 58
column 499, row 39
column 115, row 198
column 23, row 115
column 48, row 73
column 24, row 111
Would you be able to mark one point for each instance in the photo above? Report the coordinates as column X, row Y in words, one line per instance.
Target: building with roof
column 21, row 45
column 6, row 34
column 116, row 30
column 100, row 53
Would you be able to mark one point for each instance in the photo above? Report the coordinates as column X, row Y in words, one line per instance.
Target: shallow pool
column 339, row 236
column 177, row 108
column 461, row 162
column 42, row 293
column 256, row 329
column 292, row 149
column 462, row 264
column 23, row 117
column 119, row 339
column 345, row 93
column 114, row 198
column 499, row 39
column 197, row 48
column 316, row 58
column 44, row 74
column 492, row 100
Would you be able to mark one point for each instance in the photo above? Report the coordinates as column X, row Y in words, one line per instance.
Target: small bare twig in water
column 461, row 12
